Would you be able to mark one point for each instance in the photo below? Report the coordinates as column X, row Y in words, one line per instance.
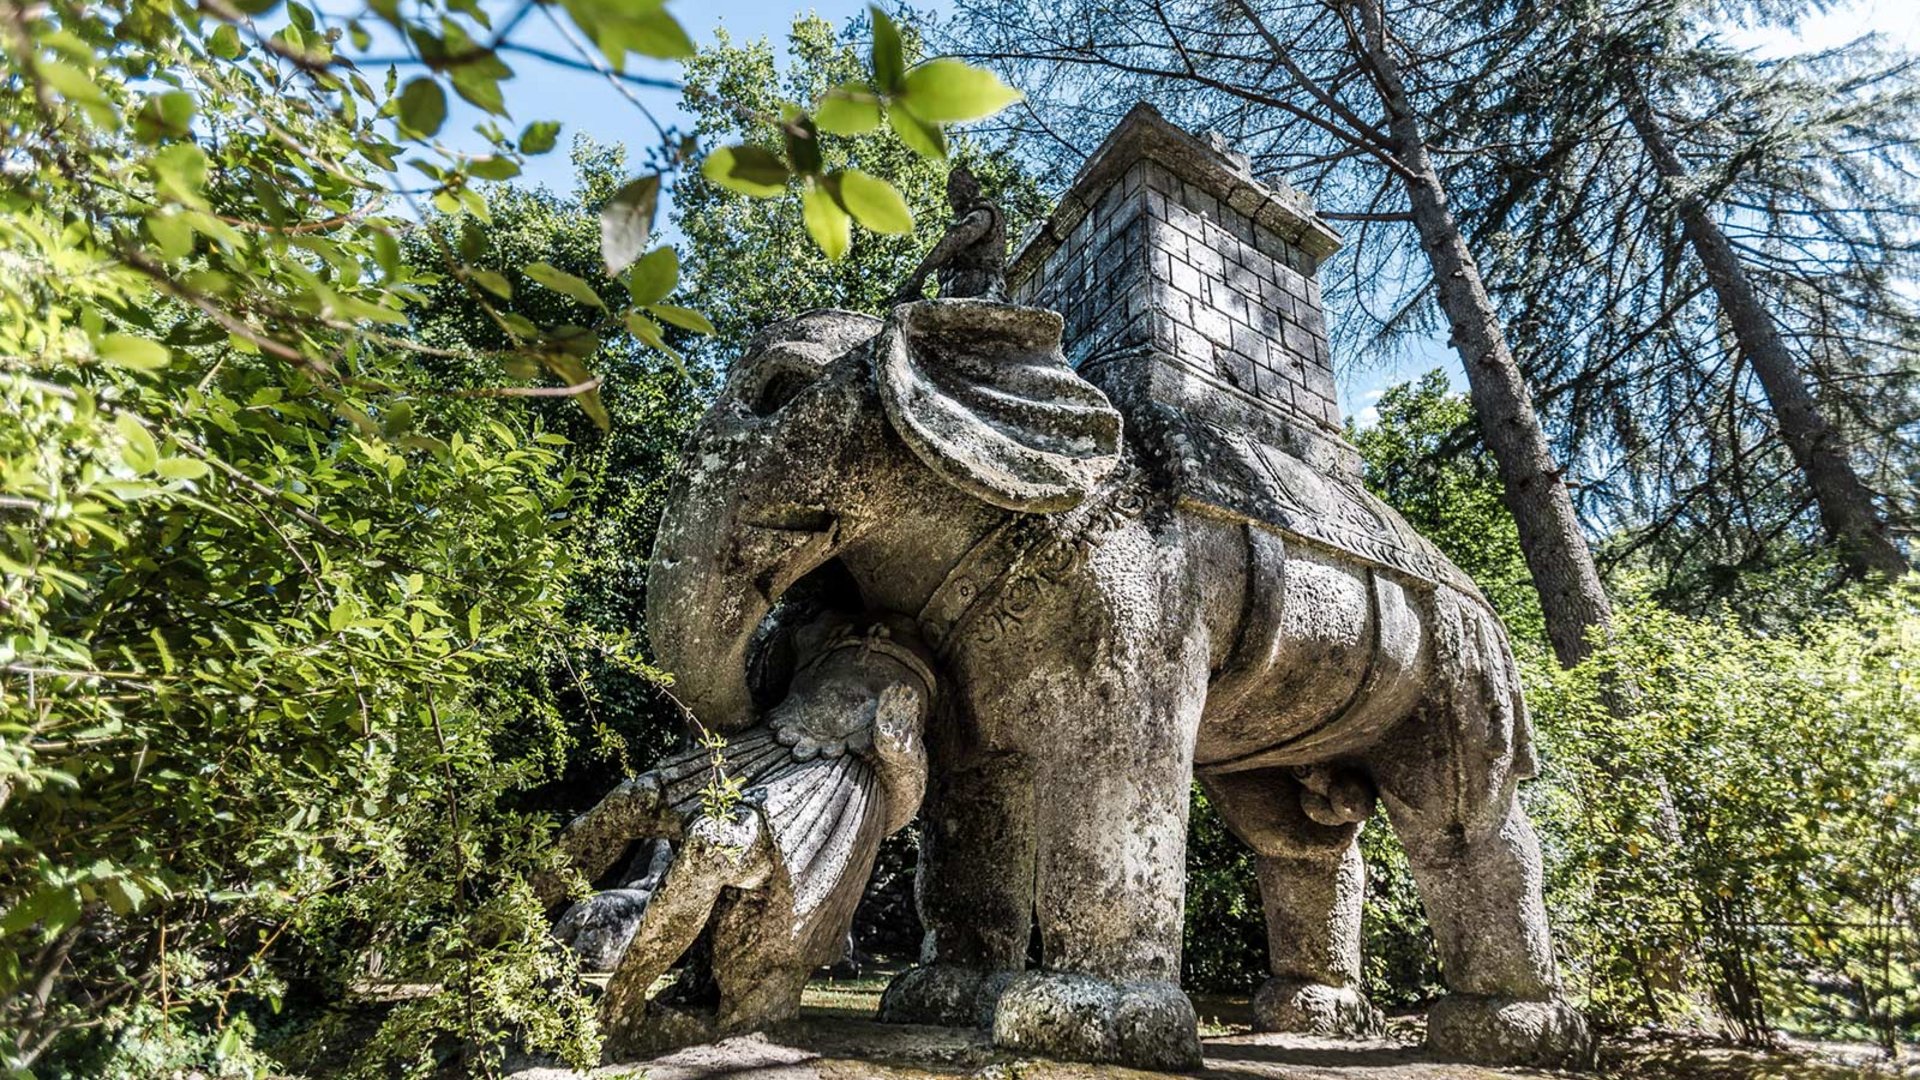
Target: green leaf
column 478, row 81
column 128, row 351
column 140, row 453
column 873, row 202
column 123, row 895
column 889, row 61
column 70, row 82
column 626, row 222
column 161, row 116
column 492, row 282
column 949, row 91
column 682, row 317
column 172, row 233
column 847, row 109
column 342, row 614
column 654, row 276
column 226, row 43
column 181, row 468
column 539, row 136
column 493, row 168
column 748, row 170
column 922, row 138
column 649, row 332
column 180, row 170
column 829, row 225
column 562, row 282
column 658, row 34
column 423, row 107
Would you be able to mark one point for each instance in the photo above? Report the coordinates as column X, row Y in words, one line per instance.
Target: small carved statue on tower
column 971, row 259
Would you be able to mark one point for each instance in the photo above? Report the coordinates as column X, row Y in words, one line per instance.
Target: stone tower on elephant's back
column 1184, row 280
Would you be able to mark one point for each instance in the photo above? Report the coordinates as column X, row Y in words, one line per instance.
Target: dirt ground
column 836, row 1038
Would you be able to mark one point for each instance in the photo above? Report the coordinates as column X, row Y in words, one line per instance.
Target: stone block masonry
column 1181, row 276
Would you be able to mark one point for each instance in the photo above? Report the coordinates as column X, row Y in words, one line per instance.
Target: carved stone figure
column 1149, row 564
column 599, row 927
column 1099, row 638
column 971, row 258
column 834, row 768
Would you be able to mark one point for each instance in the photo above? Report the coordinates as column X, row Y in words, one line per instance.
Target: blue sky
column 588, row 103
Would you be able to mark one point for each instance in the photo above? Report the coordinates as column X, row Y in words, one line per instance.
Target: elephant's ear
column 982, row 394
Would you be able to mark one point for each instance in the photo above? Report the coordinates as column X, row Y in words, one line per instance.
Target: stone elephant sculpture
column 1100, row 643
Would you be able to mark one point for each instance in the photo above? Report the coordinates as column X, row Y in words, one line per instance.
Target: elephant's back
column 1329, row 652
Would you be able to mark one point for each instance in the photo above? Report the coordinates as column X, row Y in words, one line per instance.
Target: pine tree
column 1702, row 254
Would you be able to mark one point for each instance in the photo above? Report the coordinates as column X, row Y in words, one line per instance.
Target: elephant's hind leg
column 1448, row 778
column 1312, row 884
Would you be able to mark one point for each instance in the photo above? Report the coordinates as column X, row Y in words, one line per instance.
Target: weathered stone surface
column 1315, row 1009
column 839, row 763
column 1126, row 576
column 599, row 927
column 1148, row 1025
column 1499, row 1031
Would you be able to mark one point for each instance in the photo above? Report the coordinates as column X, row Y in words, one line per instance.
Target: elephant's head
column 830, row 427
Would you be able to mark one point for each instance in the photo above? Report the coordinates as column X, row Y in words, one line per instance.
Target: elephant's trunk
column 700, row 630
column 713, row 580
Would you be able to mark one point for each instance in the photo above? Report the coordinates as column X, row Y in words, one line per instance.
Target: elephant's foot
column 945, row 994
column 1148, row 1025
column 1503, row 1031
column 658, row 1029
column 1310, row 1008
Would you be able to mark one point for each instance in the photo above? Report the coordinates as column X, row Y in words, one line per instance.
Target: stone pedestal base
column 1501, row 1031
column 944, row 994
column 1147, row 1025
column 1315, row 1009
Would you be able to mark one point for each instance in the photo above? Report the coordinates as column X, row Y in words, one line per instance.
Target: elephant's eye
column 780, row 388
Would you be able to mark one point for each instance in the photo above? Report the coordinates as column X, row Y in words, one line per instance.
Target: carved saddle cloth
column 1238, row 475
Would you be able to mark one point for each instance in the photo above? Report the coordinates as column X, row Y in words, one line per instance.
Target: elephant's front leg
column 974, row 885
column 1112, row 796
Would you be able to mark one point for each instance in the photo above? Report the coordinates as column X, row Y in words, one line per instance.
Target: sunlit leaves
column 131, row 351
column 654, row 276
column 682, row 317
column 848, row 109
column 828, row 224
column 916, row 104
column 180, row 172
column 626, row 222
column 920, row 136
column 889, row 61
column 539, row 136
column 873, row 202
column 949, row 91
column 164, row 115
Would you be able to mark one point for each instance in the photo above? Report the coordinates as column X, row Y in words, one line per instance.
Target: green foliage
column 299, row 624
column 748, row 262
column 1786, row 885
column 918, row 103
column 1424, row 458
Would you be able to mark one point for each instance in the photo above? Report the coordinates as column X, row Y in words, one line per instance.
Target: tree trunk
column 1571, row 596
column 1846, row 505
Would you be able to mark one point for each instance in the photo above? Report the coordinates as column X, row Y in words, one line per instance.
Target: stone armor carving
column 1108, row 587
